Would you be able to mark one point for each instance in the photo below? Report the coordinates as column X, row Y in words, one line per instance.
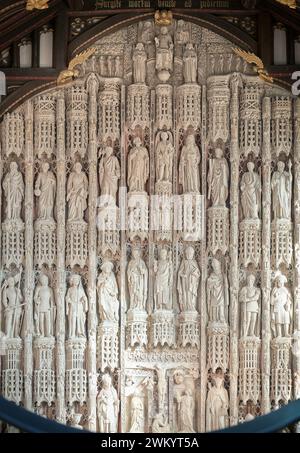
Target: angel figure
column 67, row 75
column 258, row 67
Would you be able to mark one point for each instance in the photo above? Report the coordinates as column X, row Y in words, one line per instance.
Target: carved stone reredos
column 197, row 297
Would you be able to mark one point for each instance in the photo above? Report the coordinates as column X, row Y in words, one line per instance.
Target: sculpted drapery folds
column 217, row 294
column 45, row 188
column 189, row 64
column 107, row 406
column 250, row 308
column 13, row 186
column 189, row 166
column 218, row 179
column 108, row 293
column 139, row 59
column 137, row 275
column 188, row 281
column 76, row 307
column 251, row 193
column 138, row 167
column 163, row 282
column 164, row 151
column 217, row 403
column 282, row 191
column 77, row 192
column 109, row 175
column 164, row 50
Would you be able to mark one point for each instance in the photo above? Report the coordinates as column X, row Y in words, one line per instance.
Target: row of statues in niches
column 108, row 297
column 76, row 300
column 138, row 175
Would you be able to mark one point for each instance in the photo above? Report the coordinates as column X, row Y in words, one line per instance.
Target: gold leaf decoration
column 163, row 18
column 257, row 63
column 36, row 4
column 290, row 3
column 67, row 75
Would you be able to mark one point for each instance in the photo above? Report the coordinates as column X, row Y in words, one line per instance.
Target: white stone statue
column 282, row 191
column 250, row 309
column 160, row 425
column 164, row 50
column 189, row 166
column 77, row 193
column 218, row 180
column 217, row 294
column 217, row 403
column 108, row 293
column 109, row 175
column 188, row 281
column 139, row 59
column 164, row 151
column 138, row 167
column 190, row 64
column 182, row 32
column 107, row 406
column 12, row 299
column 186, row 410
column 163, row 282
column 44, row 308
column 137, row 423
column 137, row 276
column 45, row 188
column 281, row 308
column 13, row 187
column 251, row 193
column 76, row 307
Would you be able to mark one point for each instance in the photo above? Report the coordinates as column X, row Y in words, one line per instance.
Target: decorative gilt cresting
column 258, row 67
column 67, row 75
column 290, row 3
column 163, row 18
column 36, row 4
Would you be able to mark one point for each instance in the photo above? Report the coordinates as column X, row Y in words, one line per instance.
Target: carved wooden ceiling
column 247, row 23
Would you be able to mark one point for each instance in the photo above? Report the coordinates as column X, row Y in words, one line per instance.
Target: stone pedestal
column 136, row 328
column 189, row 330
column 76, row 378
column 44, row 375
column 44, row 243
column 218, row 230
column 249, row 369
column 281, row 375
column 217, row 346
column 163, row 328
column 138, row 113
column 189, row 106
column 108, row 345
column 282, row 242
column 12, row 374
column 12, row 242
column 77, row 244
column 250, row 242
column 138, row 216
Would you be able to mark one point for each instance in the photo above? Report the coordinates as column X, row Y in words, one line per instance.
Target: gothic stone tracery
column 190, row 325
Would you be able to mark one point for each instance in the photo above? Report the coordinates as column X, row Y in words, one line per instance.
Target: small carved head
column 189, row 46
column 136, row 253
column 281, row 280
column 164, row 30
column 45, row 167
column 44, row 280
column 190, row 139
column 250, row 166
column 178, row 377
column 109, row 151
column 106, row 381
column 164, row 136
column 75, row 280
column 216, row 265
column 163, row 254
column 251, row 280
column 78, row 167
column 189, row 253
column 219, row 153
column 139, row 46
column 281, row 166
column 13, row 167
column 137, row 141
column 107, row 267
